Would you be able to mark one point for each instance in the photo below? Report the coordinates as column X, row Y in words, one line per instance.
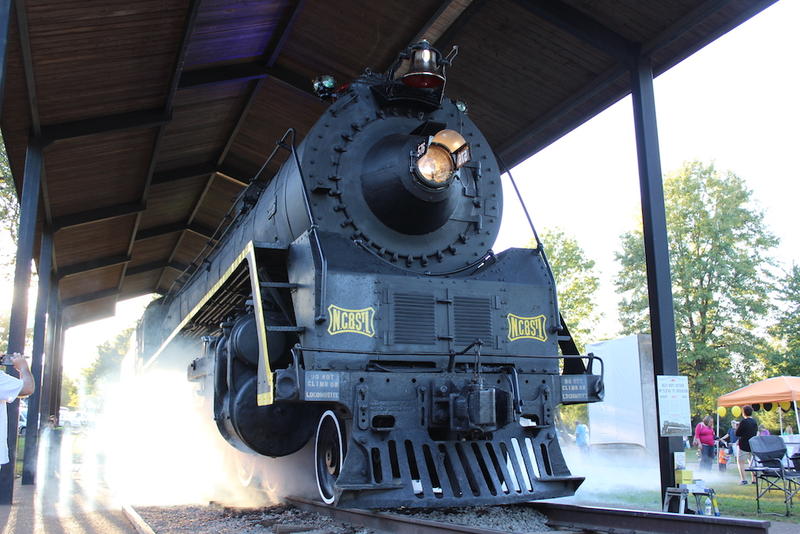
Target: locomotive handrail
column 323, row 282
column 539, row 246
column 591, row 356
column 227, row 217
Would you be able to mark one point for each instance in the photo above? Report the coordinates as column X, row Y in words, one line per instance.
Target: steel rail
column 389, row 522
column 633, row 521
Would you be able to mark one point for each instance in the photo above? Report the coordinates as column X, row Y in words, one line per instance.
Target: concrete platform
column 49, row 510
column 68, row 498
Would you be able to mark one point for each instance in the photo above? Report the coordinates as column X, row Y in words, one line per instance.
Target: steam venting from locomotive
column 354, row 305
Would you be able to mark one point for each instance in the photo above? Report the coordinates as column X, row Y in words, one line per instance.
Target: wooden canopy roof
column 155, row 114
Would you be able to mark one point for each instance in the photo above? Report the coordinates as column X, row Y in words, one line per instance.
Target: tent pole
column 780, row 417
column 796, row 416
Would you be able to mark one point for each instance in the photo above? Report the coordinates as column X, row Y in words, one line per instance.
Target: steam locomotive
column 355, row 301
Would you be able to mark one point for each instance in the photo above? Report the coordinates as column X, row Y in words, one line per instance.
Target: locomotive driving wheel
column 328, row 455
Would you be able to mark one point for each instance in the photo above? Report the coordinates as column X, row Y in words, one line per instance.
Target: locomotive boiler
column 355, row 302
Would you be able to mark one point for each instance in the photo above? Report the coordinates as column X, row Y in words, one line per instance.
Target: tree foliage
column 109, row 360
column 785, row 360
column 9, row 205
column 576, row 282
column 719, row 258
column 4, row 330
column 69, row 392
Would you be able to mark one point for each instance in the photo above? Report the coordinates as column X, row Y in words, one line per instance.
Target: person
column 723, row 459
column 731, row 439
column 582, row 437
column 748, row 428
column 788, row 430
column 704, row 441
column 762, row 431
column 12, row 388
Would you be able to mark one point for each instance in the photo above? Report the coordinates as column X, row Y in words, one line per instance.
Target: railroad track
column 560, row 516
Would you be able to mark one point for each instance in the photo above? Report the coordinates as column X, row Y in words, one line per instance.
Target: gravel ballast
column 197, row 519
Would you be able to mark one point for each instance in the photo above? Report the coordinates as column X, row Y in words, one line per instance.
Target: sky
column 734, row 103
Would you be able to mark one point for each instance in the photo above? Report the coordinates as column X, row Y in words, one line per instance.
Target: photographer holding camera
column 12, row 388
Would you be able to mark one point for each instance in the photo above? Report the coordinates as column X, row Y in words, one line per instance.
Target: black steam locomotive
column 355, row 301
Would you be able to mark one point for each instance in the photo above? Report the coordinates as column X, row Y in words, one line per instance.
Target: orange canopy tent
column 778, row 389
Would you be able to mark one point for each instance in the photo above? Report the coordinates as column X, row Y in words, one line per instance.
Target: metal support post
column 53, row 316
column 656, row 247
column 48, row 354
column 55, row 370
column 5, row 21
column 19, row 306
column 39, row 331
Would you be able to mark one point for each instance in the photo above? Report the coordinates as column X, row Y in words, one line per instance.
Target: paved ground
column 67, row 499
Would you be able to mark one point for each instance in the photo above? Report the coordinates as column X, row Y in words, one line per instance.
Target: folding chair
column 770, row 472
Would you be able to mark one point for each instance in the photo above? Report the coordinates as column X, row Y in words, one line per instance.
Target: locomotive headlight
column 438, row 159
column 436, row 166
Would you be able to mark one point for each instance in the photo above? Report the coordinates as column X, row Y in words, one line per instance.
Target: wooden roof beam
column 96, row 215
column 444, row 17
column 243, row 72
column 146, row 118
column 156, row 265
column 165, row 229
column 601, row 83
column 91, row 265
column 88, row 297
column 180, row 58
column 183, row 173
column 585, row 28
column 227, row 172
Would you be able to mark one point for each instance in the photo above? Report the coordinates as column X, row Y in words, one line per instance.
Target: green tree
column 785, row 360
column 9, row 205
column 576, row 282
column 719, row 250
column 4, row 325
column 108, row 362
column 69, row 393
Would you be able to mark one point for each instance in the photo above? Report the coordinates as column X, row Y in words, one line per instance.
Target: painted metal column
column 656, row 246
column 53, row 316
column 39, row 331
column 19, row 307
column 5, row 20
column 56, row 369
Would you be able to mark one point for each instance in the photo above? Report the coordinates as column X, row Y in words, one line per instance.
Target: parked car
column 23, row 422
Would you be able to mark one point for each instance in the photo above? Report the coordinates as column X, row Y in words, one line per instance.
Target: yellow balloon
column 721, row 411
column 736, row 411
column 786, row 405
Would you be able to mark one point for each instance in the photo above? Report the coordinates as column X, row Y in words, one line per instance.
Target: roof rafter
column 96, row 215
column 582, row 26
column 97, row 295
column 91, row 265
column 156, row 265
column 271, row 56
column 191, row 18
column 171, row 228
column 146, row 118
column 243, row 72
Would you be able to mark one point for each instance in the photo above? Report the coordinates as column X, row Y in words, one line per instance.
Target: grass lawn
column 20, row 454
column 734, row 499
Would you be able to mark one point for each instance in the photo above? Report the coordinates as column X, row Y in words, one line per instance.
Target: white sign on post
column 673, row 406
